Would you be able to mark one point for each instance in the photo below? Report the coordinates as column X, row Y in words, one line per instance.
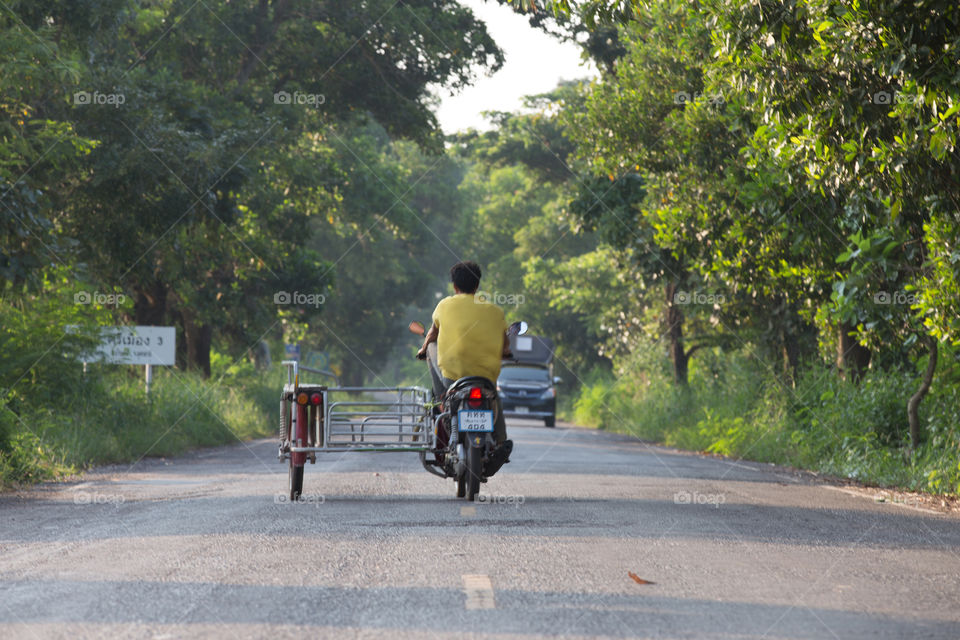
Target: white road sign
column 524, row 343
column 136, row 345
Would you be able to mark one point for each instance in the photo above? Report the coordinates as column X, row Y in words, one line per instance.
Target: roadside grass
column 825, row 424
column 105, row 417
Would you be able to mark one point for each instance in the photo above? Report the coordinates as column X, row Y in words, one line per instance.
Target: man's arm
column 432, row 334
column 506, row 347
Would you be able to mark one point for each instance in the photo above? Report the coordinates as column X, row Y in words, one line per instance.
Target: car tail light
column 315, row 398
column 475, row 399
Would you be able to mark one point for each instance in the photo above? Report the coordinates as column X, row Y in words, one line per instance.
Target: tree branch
column 694, row 348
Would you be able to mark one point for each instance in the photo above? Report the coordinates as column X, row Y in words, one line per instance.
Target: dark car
column 528, row 391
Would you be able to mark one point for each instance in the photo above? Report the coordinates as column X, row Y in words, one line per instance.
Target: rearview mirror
column 517, row 328
column 417, row 328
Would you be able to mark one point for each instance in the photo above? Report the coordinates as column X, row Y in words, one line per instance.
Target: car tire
column 551, row 421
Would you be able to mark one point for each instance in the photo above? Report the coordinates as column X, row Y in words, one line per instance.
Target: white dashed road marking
column 479, row 592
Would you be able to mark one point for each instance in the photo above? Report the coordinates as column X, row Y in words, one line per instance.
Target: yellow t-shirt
column 471, row 337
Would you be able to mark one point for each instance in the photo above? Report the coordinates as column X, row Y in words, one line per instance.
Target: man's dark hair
column 465, row 276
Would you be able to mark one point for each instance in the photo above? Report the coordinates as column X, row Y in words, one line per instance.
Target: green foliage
column 939, row 287
column 537, row 140
column 515, row 222
column 105, row 417
column 210, row 142
column 792, row 159
column 114, row 420
column 55, row 420
column 868, row 124
column 198, row 163
column 37, row 149
column 825, row 424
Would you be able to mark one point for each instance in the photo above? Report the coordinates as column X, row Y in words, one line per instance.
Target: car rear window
column 524, row 374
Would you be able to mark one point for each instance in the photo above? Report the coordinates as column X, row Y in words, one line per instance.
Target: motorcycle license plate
column 475, row 421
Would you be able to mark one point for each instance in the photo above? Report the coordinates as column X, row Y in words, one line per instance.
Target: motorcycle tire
column 295, row 478
column 473, row 472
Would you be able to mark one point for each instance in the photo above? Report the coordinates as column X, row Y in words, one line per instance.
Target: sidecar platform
column 351, row 418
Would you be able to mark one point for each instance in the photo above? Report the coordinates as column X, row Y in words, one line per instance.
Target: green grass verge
column 105, row 417
column 824, row 424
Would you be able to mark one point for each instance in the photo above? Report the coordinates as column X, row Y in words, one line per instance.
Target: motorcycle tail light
column 315, row 398
column 475, row 399
column 302, row 398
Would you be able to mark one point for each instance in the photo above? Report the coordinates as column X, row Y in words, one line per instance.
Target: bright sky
column 534, row 63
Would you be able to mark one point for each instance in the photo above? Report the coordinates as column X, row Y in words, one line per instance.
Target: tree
column 872, row 148
column 39, row 152
column 647, row 162
column 201, row 104
column 520, row 226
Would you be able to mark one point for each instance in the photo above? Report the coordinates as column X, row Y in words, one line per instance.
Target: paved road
column 204, row 546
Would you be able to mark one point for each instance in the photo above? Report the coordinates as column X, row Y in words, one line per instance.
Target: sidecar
column 316, row 418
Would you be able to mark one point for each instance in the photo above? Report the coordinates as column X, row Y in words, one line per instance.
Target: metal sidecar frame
column 316, row 418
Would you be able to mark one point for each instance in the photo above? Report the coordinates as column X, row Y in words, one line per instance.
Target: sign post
column 144, row 345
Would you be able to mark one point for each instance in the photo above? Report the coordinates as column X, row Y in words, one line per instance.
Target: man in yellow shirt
column 470, row 337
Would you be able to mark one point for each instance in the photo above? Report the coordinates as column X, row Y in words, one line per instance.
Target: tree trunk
column 791, row 357
column 351, row 375
column 852, row 357
column 913, row 405
column 197, row 338
column 260, row 353
column 150, row 304
column 674, row 321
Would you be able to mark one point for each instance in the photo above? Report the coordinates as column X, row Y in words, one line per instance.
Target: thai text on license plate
column 475, row 420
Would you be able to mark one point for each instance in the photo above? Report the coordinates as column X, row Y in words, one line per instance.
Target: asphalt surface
column 205, row 545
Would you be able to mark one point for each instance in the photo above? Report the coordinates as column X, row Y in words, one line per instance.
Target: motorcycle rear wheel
column 295, row 481
column 473, row 472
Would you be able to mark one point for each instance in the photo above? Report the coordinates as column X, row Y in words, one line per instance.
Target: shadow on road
column 377, row 608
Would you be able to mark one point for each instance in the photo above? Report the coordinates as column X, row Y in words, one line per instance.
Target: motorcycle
column 463, row 419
